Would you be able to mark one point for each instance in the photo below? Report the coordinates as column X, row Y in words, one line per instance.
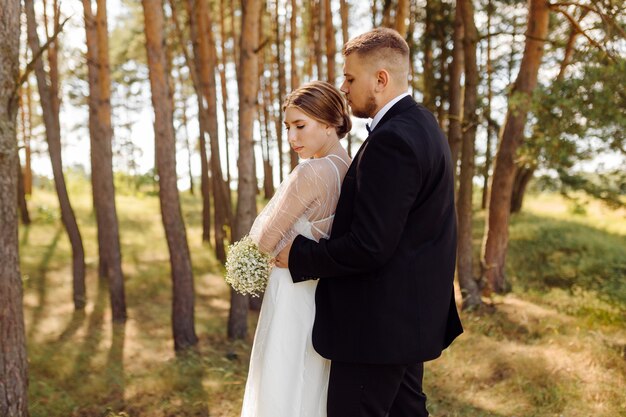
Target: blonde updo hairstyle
column 323, row 102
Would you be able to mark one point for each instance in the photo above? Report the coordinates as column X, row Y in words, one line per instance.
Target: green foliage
column 549, row 253
column 577, row 119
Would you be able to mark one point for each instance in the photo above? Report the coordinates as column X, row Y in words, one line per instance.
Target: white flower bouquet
column 247, row 268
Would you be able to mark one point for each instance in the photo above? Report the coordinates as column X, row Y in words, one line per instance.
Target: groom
column 385, row 298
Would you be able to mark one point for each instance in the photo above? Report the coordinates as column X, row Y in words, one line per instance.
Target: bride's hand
column 282, row 259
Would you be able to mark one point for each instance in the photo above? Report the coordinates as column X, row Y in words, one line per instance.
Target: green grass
column 554, row 346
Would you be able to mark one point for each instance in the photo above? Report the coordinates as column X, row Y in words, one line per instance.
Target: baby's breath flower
column 247, row 268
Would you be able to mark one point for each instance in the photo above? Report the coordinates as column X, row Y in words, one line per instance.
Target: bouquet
column 247, row 268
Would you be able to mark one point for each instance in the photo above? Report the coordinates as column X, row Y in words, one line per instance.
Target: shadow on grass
column 115, row 378
column 39, row 283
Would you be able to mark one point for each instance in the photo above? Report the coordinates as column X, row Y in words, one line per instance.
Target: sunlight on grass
column 555, row 346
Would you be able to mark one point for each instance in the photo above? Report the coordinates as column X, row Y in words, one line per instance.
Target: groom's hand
column 282, row 259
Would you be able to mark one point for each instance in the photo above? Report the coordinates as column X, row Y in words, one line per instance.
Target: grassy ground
column 554, row 346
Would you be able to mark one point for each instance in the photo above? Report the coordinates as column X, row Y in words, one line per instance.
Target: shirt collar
column 385, row 109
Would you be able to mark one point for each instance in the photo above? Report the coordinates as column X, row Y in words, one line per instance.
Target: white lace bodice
column 303, row 204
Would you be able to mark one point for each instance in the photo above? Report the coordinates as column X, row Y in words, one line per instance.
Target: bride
column 287, row 377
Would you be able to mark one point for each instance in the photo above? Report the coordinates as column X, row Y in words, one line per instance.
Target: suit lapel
column 400, row 107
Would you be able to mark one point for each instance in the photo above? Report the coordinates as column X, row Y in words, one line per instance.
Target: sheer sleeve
column 309, row 191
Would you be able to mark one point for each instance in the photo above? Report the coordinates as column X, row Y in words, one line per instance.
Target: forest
column 139, row 139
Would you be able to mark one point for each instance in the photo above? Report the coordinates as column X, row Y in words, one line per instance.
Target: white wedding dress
column 287, row 377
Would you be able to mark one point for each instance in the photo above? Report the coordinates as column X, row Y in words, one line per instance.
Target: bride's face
column 307, row 136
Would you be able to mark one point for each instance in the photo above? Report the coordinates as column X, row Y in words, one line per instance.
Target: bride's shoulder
column 317, row 166
column 313, row 170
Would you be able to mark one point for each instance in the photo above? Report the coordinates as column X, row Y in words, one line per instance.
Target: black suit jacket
column 386, row 273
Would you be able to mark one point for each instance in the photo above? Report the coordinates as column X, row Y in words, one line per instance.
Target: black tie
column 369, row 130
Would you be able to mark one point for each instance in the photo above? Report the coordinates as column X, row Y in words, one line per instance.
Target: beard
column 367, row 110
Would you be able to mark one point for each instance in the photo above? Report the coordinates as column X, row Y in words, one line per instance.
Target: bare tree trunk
column 523, row 175
column 13, row 358
column 28, row 136
column 295, row 78
column 469, row 287
column 50, row 108
column 442, row 67
column 180, row 261
column 387, row 22
column 331, row 42
column 456, row 68
column 402, row 14
column 201, row 81
column 246, row 187
column 282, row 88
column 309, row 25
column 21, row 195
column 318, row 27
column 344, row 10
column 101, row 135
column 224, row 88
column 496, row 235
column 526, row 170
column 185, row 123
column 21, row 191
column 374, row 9
column 429, row 70
column 236, row 36
column 264, row 114
column 490, row 129
column 208, row 63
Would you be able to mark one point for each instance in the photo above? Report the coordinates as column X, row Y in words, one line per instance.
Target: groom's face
column 358, row 86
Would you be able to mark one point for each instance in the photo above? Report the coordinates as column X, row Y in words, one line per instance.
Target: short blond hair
column 382, row 46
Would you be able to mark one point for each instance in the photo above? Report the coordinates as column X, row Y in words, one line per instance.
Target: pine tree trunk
column 224, row 88
column 295, row 78
column 456, row 69
column 469, row 287
column 523, row 175
column 282, row 89
column 429, row 70
column 344, row 10
column 21, row 195
column 50, row 108
column 185, row 126
column 101, row 135
column 387, row 14
column 402, row 14
column 524, row 172
column 331, row 43
column 266, row 101
column 221, row 191
column 308, row 27
column 318, row 27
column 21, row 173
column 490, row 129
column 13, row 358
column 496, row 235
column 180, row 261
column 442, row 67
column 202, row 82
column 246, row 187
column 28, row 135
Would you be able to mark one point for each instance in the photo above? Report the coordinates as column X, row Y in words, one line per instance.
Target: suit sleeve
column 388, row 181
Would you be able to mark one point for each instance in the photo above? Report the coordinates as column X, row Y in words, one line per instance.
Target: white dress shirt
column 385, row 109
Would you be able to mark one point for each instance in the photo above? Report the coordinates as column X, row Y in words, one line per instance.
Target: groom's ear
column 382, row 79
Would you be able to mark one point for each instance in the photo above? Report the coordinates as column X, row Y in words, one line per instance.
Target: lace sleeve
column 302, row 193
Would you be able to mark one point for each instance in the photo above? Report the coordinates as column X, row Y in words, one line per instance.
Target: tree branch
column 603, row 16
column 31, row 65
column 581, row 30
